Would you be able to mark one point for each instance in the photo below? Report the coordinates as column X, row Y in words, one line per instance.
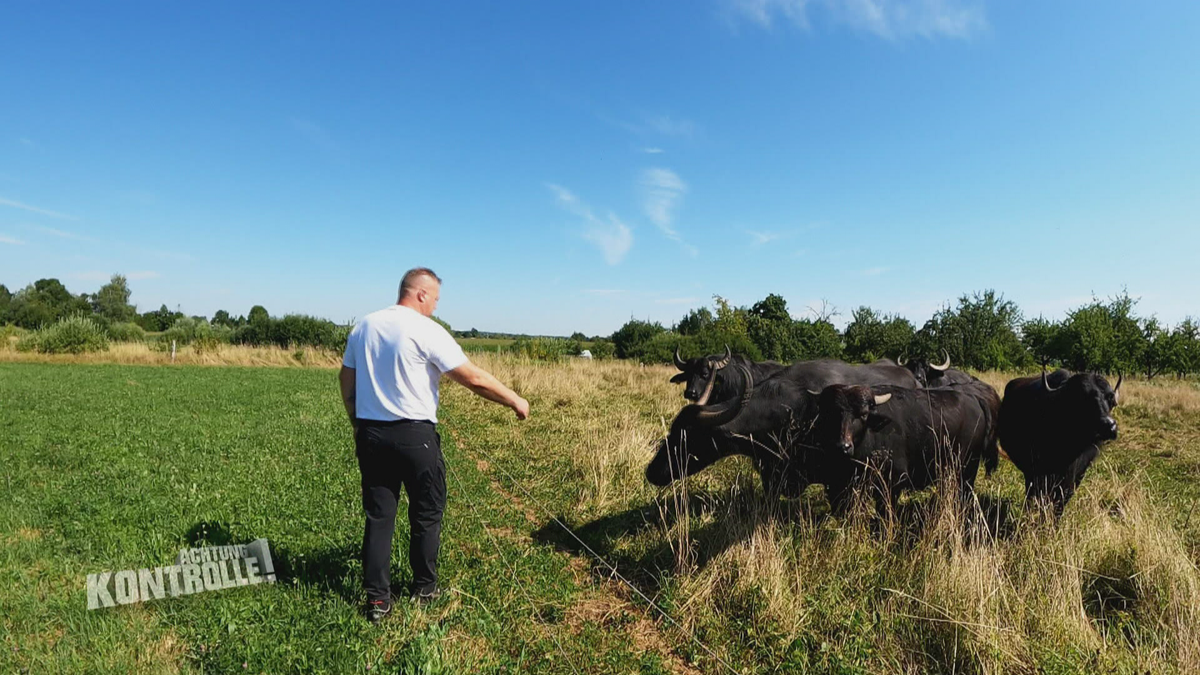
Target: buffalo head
column 923, row 370
column 844, row 414
column 696, row 439
column 700, row 374
column 1086, row 402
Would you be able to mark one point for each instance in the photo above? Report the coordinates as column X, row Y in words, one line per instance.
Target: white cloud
column 671, row 126
column 9, row 240
column 889, row 19
column 662, row 191
column 653, row 151
column 26, row 142
column 34, row 209
column 613, row 237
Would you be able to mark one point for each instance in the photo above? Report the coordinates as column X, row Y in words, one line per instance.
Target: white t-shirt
column 399, row 356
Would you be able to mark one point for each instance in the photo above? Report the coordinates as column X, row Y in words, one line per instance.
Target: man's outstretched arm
column 486, row 385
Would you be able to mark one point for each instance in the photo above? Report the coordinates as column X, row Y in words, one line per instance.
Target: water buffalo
column 762, row 421
column 1052, row 427
column 908, row 436
column 710, row 379
column 930, row 375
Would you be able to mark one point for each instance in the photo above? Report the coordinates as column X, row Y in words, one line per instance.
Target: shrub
column 126, row 332
column 628, row 337
column 603, row 349
column 75, row 334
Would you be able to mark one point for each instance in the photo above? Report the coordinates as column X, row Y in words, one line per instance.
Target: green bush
column 126, row 332
column 603, row 349
column 75, row 334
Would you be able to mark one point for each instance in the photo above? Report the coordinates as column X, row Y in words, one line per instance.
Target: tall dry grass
column 140, row 353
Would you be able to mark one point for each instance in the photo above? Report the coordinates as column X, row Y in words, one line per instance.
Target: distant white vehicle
column 585, row 354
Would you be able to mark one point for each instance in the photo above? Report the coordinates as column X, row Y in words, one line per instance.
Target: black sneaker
column 426, row 596
column 377, row 609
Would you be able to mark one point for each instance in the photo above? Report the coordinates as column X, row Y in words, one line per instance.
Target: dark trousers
column 391, row 454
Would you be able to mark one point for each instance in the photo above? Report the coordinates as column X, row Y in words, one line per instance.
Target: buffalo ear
column 877, row 422
column 681, row 377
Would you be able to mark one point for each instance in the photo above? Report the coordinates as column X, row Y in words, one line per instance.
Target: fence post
column 172, row 351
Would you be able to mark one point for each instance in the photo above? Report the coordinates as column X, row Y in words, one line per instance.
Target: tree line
column 982, row 331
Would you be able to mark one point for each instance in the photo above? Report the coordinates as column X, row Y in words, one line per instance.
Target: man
column 389, row 379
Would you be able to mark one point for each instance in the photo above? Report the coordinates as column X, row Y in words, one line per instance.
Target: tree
column 258, row 315
column 871, row 335
column 578, row 337
column 5, row 303
column 772, row 308
column 1042, row 338
column 980, row 333
column 1103, row 337
column 44, row 302
column 222, row 318
column 112, row 301
column 628, row 337
column 696, row 322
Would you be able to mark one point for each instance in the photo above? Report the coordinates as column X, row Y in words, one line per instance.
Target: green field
column 118, row 467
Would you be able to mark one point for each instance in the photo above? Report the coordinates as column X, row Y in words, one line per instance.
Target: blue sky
column 567, row 165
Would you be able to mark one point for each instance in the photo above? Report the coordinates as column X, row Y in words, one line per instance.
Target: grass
column 114, row 467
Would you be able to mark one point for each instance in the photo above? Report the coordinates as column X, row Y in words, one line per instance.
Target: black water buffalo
column 908, row 436
column 710, row 379
column 930, row 375
column 1052, row 427
column 762, row 421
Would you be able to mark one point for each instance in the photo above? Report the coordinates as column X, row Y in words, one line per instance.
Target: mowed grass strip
column 118, row 467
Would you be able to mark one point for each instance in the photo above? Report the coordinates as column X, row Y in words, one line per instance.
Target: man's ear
column 681, row 377
column 877, row 422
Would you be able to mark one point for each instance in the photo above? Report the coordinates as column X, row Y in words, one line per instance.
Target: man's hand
column 521, row 407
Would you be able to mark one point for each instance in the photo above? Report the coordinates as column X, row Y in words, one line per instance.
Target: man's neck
column 405, row 303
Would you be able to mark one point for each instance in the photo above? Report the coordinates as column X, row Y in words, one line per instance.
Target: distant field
column 111, row 467
column 484, row 344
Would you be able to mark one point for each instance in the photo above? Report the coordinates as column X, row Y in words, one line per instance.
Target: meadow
column 560, row 558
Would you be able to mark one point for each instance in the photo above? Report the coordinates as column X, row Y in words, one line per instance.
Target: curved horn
column 880, row 400
column 1117, row 389
column 723, row 361
column 726, row 411
column 1046, row 382
column 679, row 363
column 903, row 359
column 945, row 364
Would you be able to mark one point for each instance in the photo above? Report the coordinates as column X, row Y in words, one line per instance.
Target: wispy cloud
column 889, row 19
column 5, row 239
column 314, row 132
column 34, row 209
column 662, row 191
column 59, row 233
column 653, row 151
column 27, row 142
column 654, row 124
column 874, row 271
column 613, row 237
column 671, row 126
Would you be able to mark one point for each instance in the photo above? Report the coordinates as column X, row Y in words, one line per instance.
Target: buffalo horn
column 881, row 399
column 1117, row 389
column 903, row 359
column 726, row 411
column 679, row 363
column 723, row 361
column 945, row 364
column 1046, row 382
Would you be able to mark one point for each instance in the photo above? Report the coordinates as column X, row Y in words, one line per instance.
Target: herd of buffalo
column 898, row 424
